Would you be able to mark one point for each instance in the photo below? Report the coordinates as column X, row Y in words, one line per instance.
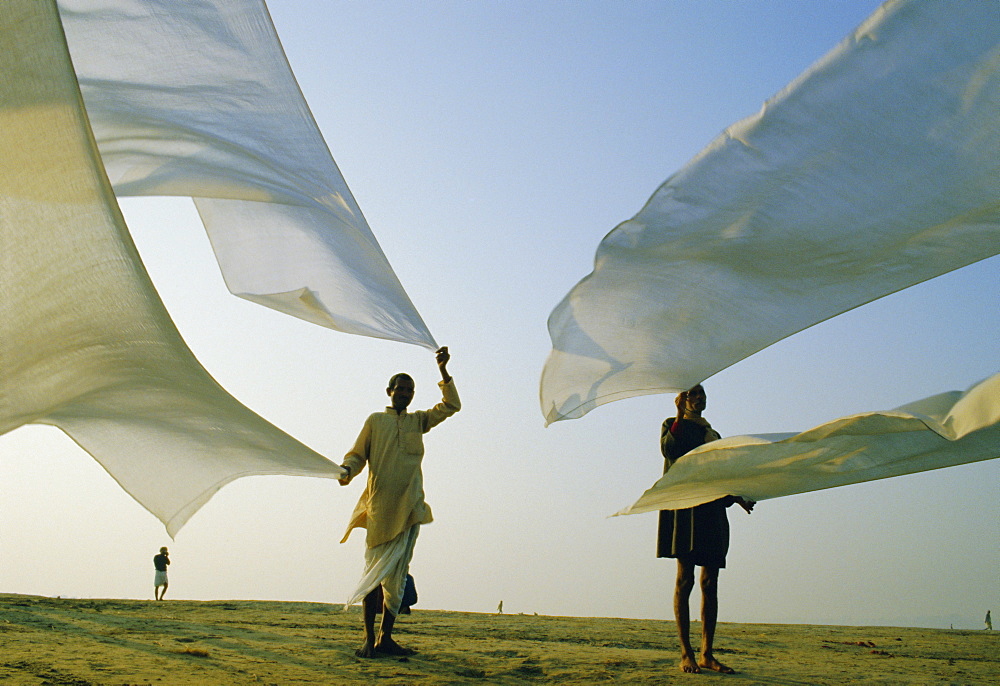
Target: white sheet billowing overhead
column 197, row 99
column 85, row 343
column 941, row 431
column 875, row 170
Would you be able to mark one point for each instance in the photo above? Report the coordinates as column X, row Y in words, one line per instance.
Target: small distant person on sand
column 160, row 563
column 392, row 506
column 989, row 621
column 500, row 608
column 696, row 537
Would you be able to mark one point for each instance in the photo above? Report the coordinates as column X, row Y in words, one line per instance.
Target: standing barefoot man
column 392, row 507
column 697, row 536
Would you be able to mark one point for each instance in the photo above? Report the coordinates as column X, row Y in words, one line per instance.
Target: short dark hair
column 395, row 377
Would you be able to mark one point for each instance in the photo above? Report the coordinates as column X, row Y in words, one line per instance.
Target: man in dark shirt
column 697, row 536
column 160, row 563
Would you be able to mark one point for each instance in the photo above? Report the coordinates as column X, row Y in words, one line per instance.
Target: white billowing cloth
column 876, row 169
column 85, row 342
column 941, row 431
column 197, row 99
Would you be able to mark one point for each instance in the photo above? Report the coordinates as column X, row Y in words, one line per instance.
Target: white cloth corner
column 208, row 107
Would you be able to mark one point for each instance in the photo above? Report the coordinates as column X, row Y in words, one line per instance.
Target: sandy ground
column 82, row 642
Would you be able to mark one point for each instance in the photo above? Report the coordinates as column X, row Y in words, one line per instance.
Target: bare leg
column 709, row 617
column 369, row 605
column 682, row 613
column 386, row 644
column 163, row 591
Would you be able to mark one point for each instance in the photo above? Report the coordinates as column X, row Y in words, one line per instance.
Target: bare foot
column 688, row 664
column 709, row 662
column 389, row 647
column 367, row 650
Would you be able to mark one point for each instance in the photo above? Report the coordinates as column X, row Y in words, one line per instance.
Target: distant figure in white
column 500, row 608
column 989, row 621
column 160, row 563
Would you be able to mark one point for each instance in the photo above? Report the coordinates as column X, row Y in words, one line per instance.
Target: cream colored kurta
column 393, row 447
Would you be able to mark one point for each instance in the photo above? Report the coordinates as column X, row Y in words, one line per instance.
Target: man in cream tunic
column 392, row 506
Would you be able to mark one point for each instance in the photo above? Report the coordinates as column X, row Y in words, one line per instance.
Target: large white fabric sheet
column 941, row 431
column 85, row 342
column 197, row 99
column 875, row 170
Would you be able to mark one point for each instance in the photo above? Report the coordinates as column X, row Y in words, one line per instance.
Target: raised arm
column 450, row 403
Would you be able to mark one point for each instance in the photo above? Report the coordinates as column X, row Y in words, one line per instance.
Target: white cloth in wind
column 197, row 99
column 876, row 169
column 941, row 431
column 85, row 342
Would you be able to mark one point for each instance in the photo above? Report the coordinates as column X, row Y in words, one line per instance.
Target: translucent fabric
column 941, row 431
column 876, row 169
column 208, row 107
column 85, row 342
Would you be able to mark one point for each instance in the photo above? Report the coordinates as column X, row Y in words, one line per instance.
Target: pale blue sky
column 491, row 146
